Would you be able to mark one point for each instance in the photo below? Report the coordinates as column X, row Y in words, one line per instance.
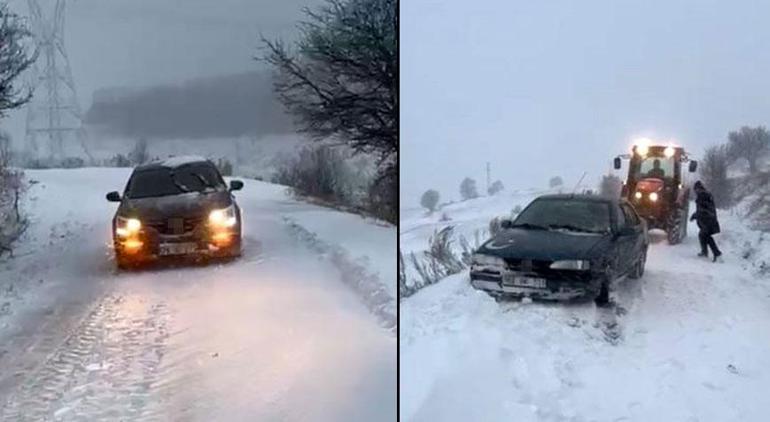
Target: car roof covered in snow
column 581, row 197
column 173, row 162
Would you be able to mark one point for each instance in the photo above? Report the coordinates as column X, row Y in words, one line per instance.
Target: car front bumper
column 557, row 288
column 149, row 246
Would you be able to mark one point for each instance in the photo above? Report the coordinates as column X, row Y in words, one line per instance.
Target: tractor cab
column 658, row 186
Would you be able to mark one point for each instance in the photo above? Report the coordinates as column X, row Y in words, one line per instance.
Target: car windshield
column 566, row 214
column 164, row 181
column 657, row 167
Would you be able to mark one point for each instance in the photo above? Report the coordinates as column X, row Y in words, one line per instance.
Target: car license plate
column 177, row 248
column 519, row 281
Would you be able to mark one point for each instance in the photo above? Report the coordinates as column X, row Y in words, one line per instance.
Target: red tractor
column 658, row 188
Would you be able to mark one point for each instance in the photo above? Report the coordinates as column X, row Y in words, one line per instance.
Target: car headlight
column 638, row 195
column 571, row 264
column 223, row 218
column 654, row 196
column 125, row 227
column 488, row 260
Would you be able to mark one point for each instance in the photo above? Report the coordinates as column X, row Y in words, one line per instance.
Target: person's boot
column 716, row 256
column 703, row 254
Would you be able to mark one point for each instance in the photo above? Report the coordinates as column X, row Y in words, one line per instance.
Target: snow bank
column 356, row 273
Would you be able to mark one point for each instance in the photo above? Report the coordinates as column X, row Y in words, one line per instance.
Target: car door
column 638, row 242
column 623, row 243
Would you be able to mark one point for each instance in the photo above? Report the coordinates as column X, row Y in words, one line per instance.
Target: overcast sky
column 543, row 88
column 146, row 42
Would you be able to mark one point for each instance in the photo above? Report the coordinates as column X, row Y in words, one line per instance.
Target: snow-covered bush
column 555, row 182
column 438, row 262
column 318, row 172
column 12, row 187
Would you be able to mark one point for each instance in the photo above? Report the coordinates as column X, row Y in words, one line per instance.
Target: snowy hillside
column 245, row 340
column 689, row 341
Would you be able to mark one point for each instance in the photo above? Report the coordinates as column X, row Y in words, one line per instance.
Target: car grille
column 542, row 268
column 175, row 225
column 527, row 265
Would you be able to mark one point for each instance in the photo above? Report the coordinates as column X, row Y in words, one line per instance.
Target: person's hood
column 191, row 204
column 545, row 244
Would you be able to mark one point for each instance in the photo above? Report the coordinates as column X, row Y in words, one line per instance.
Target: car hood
column 545, row 245
column 183, row 205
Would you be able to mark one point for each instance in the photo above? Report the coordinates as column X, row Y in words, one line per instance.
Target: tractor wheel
column 674, row 227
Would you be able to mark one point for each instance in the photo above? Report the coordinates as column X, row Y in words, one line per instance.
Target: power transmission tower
column 54, row 119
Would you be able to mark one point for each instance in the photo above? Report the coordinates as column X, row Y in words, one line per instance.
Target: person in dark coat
column 706, row 217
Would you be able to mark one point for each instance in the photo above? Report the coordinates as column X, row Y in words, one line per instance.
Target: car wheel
column 603, row 298
column 638, row 270
column 121, row 263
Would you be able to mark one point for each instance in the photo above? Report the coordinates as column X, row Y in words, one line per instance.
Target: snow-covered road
column 275, row 335
column 690, row 341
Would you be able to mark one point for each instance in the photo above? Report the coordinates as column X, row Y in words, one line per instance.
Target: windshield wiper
column 206, row 183
column 572, row 228
column 528, row 226
column 181, row 187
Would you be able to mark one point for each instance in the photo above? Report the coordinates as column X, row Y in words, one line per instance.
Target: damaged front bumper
column 559, row 285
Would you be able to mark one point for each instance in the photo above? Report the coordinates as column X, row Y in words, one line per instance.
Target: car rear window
column 166, row 181
column 580, row 215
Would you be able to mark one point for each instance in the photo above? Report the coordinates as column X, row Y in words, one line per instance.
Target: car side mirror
column 236, row 185
column 617, row 163
column 506, row 223
column 693, row 166
column 113, row 196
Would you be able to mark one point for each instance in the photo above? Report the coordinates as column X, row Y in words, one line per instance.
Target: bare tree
column 468, row 189
column 15, row 58
column 749, row 143
column 341, row 80
column 713, row 171
column 610, row 186
column 139, row 155
column 429, row 199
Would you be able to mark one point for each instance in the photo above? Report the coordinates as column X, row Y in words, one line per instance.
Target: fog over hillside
column 221, row 106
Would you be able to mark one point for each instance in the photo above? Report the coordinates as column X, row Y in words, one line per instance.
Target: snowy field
column 279, row 334
column 690, row 341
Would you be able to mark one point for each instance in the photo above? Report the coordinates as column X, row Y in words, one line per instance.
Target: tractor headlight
column 669, row 152
column 654, row 196
column 223, row 218
column 487, row 260
column 571, row 264
column 125, row 227
column 638, row 195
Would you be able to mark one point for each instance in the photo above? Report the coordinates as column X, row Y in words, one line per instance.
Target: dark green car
column 563, row 247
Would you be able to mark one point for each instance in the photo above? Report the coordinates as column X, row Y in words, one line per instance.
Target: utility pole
column 53, row 114
column 489, row 177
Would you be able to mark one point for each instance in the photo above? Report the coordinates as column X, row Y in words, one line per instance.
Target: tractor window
column 657, row 167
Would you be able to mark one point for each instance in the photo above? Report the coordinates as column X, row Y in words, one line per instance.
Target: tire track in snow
column 105, row 370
